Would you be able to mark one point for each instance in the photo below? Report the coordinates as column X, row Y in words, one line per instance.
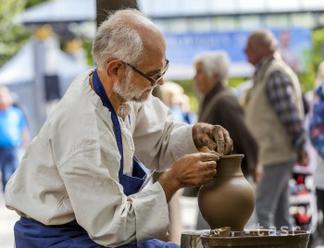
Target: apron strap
column 99, row 89
column 131, row 184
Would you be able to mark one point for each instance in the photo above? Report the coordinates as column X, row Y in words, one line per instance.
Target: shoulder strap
column 99, row 89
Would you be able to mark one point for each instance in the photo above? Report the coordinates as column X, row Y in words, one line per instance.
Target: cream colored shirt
column 70, row 170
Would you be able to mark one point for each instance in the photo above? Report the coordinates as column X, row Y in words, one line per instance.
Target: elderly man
column 274, row 112
column 220, row 106
column 80, row 183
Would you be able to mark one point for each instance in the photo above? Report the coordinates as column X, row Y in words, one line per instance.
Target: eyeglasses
column 155, row 78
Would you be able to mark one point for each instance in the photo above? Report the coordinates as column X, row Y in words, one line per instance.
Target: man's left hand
column 214, row 137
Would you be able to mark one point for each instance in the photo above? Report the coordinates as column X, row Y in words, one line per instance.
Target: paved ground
column 7, row 220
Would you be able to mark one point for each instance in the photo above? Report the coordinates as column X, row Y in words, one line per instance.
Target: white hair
column 118, row 38
column 214, row 62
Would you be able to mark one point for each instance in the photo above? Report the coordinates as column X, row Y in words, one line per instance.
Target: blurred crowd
column 278, row 127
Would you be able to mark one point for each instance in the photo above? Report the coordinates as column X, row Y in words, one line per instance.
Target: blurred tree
column 87, row 46
column 31, row 3
column 313, row 59
column 13, row 35
column 318, row 47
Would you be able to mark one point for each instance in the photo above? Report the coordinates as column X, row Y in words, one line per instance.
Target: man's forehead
column 252, row 42
column 153, row 57
column 154, row 48
column 154, row 66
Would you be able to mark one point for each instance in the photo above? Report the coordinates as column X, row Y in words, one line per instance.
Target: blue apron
column 33, row 234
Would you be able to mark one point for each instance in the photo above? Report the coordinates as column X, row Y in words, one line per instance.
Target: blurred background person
column 220, row 106
column 316, row 133
column 275, row 115
column 13, row 134
column 172, row 94
column 287, row 53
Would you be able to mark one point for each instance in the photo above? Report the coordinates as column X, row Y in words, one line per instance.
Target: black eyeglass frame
column 150, row 78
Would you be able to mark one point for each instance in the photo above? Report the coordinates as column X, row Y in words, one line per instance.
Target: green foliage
column 13, row 35
column 87, row 46
column 313, row 59
column 188, row 88
column 306, row 78
column 31, row 3
column 236, row 81
column 318, row 47
column 317, row 55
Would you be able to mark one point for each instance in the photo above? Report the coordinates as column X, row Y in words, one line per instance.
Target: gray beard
column 128, row 92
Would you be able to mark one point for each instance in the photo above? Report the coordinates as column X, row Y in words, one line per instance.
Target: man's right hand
column 188, row 171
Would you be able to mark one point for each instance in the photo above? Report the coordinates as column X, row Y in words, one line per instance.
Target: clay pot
column 229, row 199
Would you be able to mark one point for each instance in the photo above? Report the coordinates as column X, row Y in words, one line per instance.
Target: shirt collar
column 263, row 62
column 260, row 67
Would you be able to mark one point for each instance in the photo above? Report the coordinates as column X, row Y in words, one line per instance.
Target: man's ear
column 112, row 68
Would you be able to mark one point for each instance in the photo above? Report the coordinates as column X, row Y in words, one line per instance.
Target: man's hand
column 188, row 171
column 214, row 137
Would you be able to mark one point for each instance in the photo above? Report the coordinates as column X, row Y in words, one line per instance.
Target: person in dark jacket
column 220, row 106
